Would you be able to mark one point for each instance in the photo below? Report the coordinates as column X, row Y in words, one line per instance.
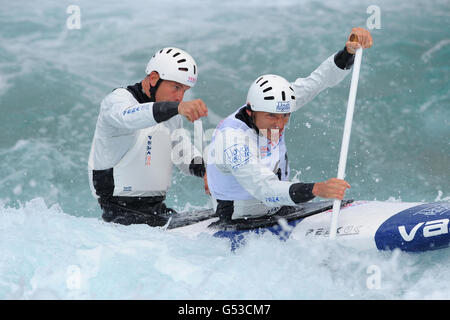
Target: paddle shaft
column 346, row 138
column 198, row 138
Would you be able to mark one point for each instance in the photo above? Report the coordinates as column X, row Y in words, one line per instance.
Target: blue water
column 52, row 80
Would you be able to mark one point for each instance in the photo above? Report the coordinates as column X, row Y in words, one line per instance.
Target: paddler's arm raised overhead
column 333, row 70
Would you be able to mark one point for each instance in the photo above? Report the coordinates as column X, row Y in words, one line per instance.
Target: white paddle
column 346, row 138
column 198, row 136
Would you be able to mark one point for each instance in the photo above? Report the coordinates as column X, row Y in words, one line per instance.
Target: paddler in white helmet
column 247, row 165
column 130, row 163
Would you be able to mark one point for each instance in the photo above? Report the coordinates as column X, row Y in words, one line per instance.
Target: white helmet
column 174, row 64
column 271, row 93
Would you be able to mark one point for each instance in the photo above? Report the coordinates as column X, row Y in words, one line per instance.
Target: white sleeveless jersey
column 146, row 169
column 138, row 149
column 243, row 166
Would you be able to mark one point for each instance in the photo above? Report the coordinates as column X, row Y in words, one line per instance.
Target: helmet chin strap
column 252, row 119
column 153, row 89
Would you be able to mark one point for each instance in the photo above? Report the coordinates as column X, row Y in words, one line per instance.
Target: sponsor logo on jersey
column 273, row 199
column 237, row 155
column 131, row 110
column 264, row 151
column 148, row 153
column 276, row 199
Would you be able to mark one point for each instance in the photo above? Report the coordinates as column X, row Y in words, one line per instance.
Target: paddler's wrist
column 197, row 167
column 164, row 110
column 316, row 188
column 344, row 59
column 301, row 192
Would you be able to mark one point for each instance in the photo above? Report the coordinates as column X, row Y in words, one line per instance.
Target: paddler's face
column 168, row 90
column 269, row 124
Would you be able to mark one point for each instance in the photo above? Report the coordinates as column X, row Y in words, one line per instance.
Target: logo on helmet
column 191, row 79
column 283, row 106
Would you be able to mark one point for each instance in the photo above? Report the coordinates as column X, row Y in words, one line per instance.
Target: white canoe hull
column 409, row 226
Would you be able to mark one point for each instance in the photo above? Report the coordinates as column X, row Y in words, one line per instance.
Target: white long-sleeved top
column 240, row 167
column 139, row 149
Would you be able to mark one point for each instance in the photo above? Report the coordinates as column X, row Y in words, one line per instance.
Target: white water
column 47, row 254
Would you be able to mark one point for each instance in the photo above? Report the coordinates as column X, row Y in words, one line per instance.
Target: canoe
column 380, row 225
